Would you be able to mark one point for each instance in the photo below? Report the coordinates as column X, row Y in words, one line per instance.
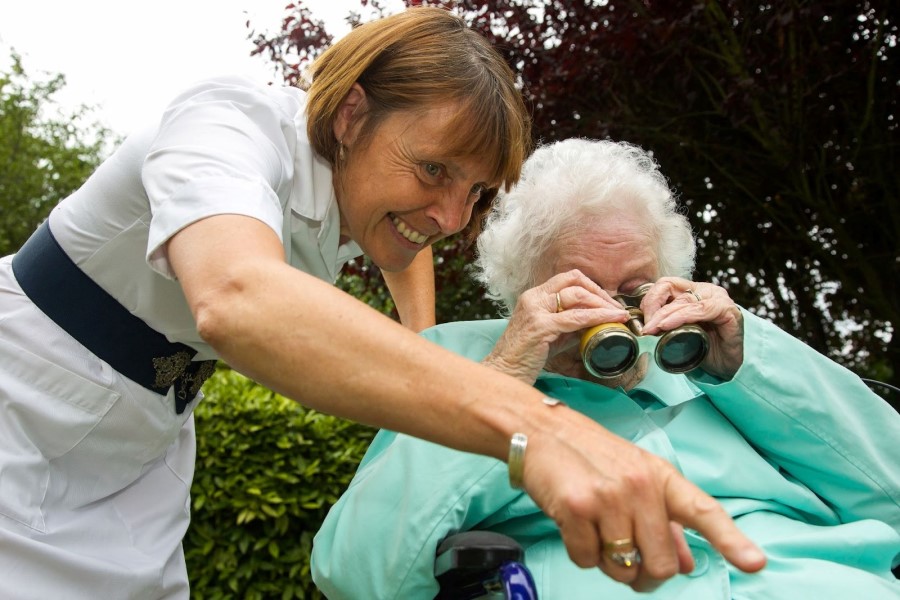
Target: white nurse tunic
column 95, row 470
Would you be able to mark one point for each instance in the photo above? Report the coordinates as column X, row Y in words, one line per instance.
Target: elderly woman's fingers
column 545, row 322
column 577, row 291
column 673, row 302
column 564, row 292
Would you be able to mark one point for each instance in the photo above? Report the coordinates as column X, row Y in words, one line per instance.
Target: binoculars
column 610, row 349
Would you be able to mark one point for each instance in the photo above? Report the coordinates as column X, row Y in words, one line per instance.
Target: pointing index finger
column 693, row 508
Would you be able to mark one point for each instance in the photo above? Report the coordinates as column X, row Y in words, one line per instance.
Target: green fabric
column 796, row 449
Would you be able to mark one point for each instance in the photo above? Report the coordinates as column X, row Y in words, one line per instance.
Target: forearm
column 333, row 353
column 309, row 341
column 413, row 291
column 303, row 338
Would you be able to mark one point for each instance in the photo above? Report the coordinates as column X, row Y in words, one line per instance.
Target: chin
column 392, row 264
column 624, row 381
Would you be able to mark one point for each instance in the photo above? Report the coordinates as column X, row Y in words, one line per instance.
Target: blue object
column 517, row 582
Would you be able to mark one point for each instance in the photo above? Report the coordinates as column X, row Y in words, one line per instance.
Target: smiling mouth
column 408, row 232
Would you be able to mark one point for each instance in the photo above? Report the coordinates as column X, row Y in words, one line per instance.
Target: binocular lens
column 612, row 355
column 683, row 349
column 608, row 349
column 611, row 349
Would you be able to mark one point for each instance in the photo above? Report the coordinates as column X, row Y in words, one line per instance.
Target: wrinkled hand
column 612, row 490
column 537, row 331
column 669, row 304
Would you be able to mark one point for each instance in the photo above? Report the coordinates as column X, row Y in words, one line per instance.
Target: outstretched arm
column 307, row 340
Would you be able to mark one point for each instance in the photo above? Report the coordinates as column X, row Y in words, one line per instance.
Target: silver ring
column 694, row 294
column 559, row 306
column 628, row 558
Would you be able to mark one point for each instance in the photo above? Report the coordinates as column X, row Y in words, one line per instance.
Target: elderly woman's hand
column 673, row 302
column 547, row 320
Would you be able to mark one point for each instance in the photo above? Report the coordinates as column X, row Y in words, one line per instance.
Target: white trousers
column 95, row 470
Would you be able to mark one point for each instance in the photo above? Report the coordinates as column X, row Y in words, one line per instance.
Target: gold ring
column 618, row 544
column 694, row 294
column 559, row 306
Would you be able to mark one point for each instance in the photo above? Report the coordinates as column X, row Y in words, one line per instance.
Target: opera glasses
column 610, row 349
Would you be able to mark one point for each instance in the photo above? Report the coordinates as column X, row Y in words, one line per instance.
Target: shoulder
column 472, row 339
column 241, row 93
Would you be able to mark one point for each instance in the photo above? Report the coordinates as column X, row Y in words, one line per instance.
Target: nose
column 451, row 211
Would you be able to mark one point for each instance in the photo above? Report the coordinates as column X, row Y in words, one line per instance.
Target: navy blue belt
column 90, row 315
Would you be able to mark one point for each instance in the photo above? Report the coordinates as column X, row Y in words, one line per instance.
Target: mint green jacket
column 796, row 448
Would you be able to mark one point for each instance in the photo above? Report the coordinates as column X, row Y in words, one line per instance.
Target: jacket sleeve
column 815, row 420
column 379, row 539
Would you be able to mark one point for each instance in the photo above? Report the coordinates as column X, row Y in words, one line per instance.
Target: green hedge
column 267, row 472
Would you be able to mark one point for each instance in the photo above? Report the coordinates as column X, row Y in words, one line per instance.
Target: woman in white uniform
column 218, row 233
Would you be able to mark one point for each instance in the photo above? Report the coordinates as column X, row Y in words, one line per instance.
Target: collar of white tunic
column 313, row 217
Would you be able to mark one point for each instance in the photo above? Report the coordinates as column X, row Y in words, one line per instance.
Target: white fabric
column 225, row 146
column 95, row 470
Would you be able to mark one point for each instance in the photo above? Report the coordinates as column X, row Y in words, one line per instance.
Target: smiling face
column 618, row 253
column 398, row 191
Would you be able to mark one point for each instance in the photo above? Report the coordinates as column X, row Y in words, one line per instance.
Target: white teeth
column 409, row 233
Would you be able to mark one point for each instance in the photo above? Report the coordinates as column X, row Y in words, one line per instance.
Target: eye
column 477, row 190
column 432, row 170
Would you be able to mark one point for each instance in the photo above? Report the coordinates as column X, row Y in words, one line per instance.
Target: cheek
column 466, row 217
column 568, row 363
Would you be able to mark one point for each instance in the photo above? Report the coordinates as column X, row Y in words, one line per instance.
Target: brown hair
column 415, row 60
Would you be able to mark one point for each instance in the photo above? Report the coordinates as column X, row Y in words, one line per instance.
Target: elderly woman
column 795, row 448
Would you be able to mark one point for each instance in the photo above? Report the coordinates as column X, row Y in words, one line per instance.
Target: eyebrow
column 454, row 169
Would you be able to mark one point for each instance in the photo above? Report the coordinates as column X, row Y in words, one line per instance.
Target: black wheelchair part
column 482, row 564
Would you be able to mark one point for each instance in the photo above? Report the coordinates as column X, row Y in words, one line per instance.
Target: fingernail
column 751, row 554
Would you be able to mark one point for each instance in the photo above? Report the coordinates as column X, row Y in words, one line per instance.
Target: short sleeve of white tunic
column 224, row 146
column 220, row 148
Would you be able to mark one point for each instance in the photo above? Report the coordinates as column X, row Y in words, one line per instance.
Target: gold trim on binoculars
column 610, row 349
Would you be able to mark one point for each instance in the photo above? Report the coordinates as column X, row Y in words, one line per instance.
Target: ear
column 353, row 106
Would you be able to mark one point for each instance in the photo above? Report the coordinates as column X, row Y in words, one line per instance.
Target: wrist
column 517, row 445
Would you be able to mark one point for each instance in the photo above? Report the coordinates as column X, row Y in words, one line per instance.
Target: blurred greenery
column 267, row 472
column 44, row 154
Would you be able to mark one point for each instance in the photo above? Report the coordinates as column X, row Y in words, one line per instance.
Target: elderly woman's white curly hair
column 566, row 184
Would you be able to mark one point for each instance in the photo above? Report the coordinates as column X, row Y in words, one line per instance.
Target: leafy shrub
column 267, row 472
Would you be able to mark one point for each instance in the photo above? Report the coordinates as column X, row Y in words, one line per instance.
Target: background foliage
column 44, row 156
column 775, row 122
column 267, row 472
